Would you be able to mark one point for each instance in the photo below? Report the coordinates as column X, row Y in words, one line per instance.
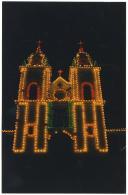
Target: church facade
column 74, row 107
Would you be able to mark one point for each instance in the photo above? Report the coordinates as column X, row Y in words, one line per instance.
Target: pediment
column 60, row 85
column 60, row 80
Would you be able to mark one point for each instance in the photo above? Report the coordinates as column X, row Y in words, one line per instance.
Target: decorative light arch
column 29, row 88
column 91, row 87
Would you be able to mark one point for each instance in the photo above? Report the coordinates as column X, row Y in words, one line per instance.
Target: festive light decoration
column 66, row 132
column 91, row 87
column 8, row 131
column 77, row 101
column 116, row 130
column 29, row 87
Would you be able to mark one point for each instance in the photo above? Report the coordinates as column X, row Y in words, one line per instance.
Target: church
column 73, row 106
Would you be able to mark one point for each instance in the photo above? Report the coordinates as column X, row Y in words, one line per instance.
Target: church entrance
column 59, row 119
column 60, row 115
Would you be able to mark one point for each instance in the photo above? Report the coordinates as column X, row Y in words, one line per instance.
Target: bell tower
column 33, row 91
column 88, row 104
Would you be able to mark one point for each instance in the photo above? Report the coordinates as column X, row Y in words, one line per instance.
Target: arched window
column 87, row 91
column 33, row 91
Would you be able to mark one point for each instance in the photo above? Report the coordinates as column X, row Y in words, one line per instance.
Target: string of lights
column 34, row 115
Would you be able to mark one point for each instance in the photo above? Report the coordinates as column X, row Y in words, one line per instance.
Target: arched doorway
column 87, row 91
column 33, row 91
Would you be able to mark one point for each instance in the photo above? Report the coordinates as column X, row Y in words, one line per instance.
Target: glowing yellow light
column 75, row 99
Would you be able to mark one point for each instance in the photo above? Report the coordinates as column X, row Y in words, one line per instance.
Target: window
column 33, row 91
column 87, row 91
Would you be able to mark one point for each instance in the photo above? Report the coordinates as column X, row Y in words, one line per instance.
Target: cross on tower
column 81, row 49
column 39, row 43
column 60, row 72
column 81, row 43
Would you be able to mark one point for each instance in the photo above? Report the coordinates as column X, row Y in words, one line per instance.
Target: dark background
column 60, row 26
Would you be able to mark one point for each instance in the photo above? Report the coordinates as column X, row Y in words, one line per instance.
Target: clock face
column 60, row 94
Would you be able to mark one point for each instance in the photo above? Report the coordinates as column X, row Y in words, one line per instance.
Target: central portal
column 60, row 119
column 59, row 116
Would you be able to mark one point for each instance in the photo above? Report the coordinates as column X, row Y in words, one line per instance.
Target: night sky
column 61, row 26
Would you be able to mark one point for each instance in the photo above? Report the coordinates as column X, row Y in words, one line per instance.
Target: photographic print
column 64, row 97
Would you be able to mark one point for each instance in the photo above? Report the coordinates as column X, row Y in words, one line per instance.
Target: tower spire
column 81, row 48
column 39, row 43
column 60, row 72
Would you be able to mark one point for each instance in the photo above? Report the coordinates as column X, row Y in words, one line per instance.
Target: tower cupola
column 38, row 57
column 82, row 58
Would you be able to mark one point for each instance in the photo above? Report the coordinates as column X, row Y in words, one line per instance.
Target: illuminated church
column 74, row 107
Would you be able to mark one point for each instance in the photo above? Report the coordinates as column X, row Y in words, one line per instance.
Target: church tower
column 32, row 95
column 88, row 104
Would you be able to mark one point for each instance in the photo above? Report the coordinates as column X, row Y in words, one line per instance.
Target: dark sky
column 60, row 26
